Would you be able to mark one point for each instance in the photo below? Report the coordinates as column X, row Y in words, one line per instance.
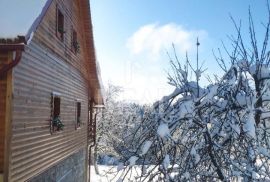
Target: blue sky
column 132, row 37
column 17, row 16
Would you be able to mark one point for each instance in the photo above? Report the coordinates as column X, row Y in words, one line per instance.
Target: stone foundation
column 71, row 169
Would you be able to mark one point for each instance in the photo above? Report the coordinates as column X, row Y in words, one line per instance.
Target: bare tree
column 106, row 120
column 115, row 125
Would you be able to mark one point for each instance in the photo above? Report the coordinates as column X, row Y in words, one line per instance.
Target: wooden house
column 49, row 85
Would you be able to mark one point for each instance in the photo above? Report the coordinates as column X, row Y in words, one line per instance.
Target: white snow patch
column 263, row 72
column 110, row 173
column 166, row 162
column 254, row 174
column 198, row 73
column 132, row 160
column 211, row 92
column 197, row 158
column 193, row 151
column 30, row 38
column 176, row 92
column 120, row 166
column 163, row 130
column 186, row 175
column 209, row 126
column 263, row 151
column 232, row 81
column 186, row 108
column 195, row 155
column 241, row 99
column 146, row 147
column 249, row 125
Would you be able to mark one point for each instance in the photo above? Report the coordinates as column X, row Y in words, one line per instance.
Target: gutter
column 18, row 48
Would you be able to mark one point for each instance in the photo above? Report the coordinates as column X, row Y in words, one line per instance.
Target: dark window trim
column 75, row 46
column 60, row 35
column 55, row 119
column 78, row 114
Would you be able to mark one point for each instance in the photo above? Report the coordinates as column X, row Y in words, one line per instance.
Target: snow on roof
column 21, row 17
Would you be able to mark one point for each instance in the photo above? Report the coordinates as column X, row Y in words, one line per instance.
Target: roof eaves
column 94, row 71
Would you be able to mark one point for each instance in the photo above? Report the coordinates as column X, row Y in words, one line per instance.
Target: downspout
column 93, row 128
column 17, row 59
column 90, row 120
column 90, row 152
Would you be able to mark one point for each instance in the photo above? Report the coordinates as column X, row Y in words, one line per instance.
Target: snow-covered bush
column 217, row 133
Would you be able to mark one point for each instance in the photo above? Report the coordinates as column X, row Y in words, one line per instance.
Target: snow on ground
column 99, row 178
column 109, row 174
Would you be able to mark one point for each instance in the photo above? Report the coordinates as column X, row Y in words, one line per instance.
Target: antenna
column 197, row 44
column 197, row 70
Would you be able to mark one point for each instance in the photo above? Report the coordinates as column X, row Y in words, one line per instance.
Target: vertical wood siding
column 3, row 90
column 48, row 65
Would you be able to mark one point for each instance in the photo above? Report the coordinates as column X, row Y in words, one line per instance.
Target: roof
column 22, row 17
column 94, row 71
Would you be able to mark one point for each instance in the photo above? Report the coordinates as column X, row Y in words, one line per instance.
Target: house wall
column 46, row 34
column 48, row 65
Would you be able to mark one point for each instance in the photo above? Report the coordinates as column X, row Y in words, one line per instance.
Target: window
column 60, row 25
column 56, row 106
column 75, row 46
column 56, row 123
column 78, row 114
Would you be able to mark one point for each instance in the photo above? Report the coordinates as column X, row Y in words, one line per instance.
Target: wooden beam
column 11, row 47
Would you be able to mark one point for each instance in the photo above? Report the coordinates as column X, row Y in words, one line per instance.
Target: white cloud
column 153, row 39
column 146, row 89
column 139, row 84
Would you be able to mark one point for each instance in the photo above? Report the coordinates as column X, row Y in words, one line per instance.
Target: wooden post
column 8, row 121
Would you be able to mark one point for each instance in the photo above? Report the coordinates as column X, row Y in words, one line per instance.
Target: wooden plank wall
column 46, row 33
column 48, row 65
column 3, row 89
